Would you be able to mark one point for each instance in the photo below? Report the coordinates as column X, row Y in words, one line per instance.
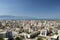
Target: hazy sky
column 33, row 8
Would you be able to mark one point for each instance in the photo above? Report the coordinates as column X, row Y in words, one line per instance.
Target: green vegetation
column 1, row 39
column 18, row 38
column 42, row 38
column 39, row 39
column 50, row 28
column 59, row 27
column 21, row 36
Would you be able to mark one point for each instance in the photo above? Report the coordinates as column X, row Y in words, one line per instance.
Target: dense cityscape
column 29, row 19
column 29, row 29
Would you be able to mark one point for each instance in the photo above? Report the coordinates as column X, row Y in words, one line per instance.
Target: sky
column 31, row 8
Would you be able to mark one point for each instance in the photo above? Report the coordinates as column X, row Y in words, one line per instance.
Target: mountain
column 8, row 17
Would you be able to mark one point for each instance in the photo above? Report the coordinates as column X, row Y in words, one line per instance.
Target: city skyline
column 31, row 8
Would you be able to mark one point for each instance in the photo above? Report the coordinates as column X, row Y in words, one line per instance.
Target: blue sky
column 33, row 8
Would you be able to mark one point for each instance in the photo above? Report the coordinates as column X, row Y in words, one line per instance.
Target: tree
column 1, row 39
column 58, row 27
column 39, row 39
column 18, row 38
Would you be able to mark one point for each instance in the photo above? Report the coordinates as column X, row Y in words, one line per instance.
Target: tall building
column 9, row 35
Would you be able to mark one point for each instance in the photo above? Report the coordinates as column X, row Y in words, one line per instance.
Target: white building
column 3, row 34
column 59, row 34
column 5, row 38
column 43, row 32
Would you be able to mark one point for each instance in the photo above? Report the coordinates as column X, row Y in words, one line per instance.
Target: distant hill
column 8, row 17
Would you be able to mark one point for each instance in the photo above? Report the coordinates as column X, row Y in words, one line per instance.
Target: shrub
column 1, row 39
column 39, row 39
column 18, row 38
